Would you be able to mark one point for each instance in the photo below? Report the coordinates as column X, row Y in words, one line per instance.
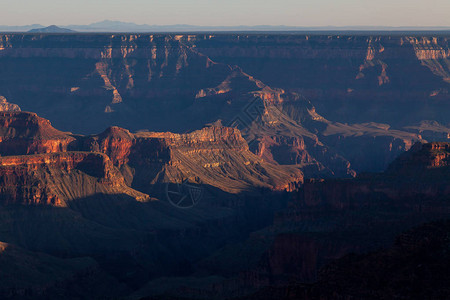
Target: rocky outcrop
column 26, row 133
column 6, row 106
column 271, row 149
column 114, row 142
column 74, row 200
column 422, row 158
column 298, row 257
column 216, row 156
column 57, row 178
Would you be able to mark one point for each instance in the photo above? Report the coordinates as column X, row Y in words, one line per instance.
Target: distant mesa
column 51, row 29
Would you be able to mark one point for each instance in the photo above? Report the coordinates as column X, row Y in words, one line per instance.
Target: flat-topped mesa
column 56, row 178
column 120, row 45
column 211, row 137
column 219, row 156
column 321, row 46
column 216, row 155
column 119, row 143
column 82, row 46
column 26, row 133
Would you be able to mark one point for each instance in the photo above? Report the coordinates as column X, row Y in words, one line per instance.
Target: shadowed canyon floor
column 297, row 256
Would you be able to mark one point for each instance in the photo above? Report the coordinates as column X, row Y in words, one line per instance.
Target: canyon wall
column 246, row 117
column 349, row 78
column 57, row 178
column 215, row 156
column 284, row 92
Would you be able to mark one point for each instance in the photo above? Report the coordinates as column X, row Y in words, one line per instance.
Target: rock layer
column 215, row 156
column 57, row 178
column 290, row 87
column 26, row 133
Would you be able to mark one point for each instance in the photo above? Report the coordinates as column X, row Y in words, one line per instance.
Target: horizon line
column 224, row 26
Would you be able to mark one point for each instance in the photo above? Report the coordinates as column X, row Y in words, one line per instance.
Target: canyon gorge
column 312, row 158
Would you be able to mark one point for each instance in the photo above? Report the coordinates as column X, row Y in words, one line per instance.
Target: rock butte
column 145, row 159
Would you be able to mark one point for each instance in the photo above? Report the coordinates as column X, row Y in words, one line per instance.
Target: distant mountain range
column 51, row 29
column 117, row 26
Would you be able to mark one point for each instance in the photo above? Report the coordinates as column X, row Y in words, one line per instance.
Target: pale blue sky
column 229, row 12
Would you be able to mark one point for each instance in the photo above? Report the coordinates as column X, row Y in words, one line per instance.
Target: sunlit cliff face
column 3, row 247
column 295, row 98
column 57, row 178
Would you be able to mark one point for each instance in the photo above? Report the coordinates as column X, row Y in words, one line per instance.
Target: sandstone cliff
column 282, row 92
column 6, row 106
column 214, row 156
column 354, row 79
column 57, row 178
column 71, row 195
column 26, row 133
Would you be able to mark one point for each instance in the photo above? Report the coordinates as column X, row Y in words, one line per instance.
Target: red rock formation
column 284, row 150
column 6, row 106
column 215, row 155
column 165, row 82
column 26, row 133
column 114, row 142
column 56, row 178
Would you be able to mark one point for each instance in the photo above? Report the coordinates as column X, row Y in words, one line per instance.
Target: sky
column 229, row 12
